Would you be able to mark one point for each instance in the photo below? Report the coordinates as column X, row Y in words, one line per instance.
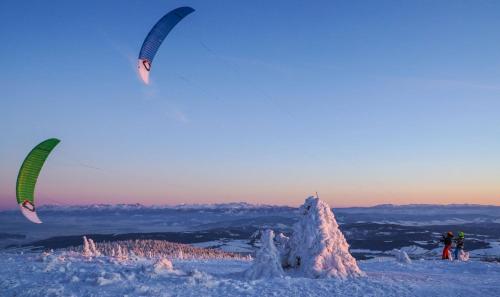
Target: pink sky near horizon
column 336, row 198
column 60, row 184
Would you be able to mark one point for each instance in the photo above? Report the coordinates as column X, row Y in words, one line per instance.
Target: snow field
column 70, row 274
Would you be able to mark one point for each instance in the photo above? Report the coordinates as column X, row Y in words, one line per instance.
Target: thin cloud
column 124, row 51
column 178, row 116
column 448, row 83
column 465, row 84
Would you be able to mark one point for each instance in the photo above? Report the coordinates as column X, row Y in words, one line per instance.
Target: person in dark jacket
column 459, row 244
column 448, row 240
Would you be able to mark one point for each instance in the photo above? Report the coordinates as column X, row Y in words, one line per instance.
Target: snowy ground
column 61, row 274
column 237, row 245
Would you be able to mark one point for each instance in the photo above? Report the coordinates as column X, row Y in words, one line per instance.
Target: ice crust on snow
column 317, row 247
column 267, row 263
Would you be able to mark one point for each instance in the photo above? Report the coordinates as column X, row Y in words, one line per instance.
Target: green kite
column 28, row 174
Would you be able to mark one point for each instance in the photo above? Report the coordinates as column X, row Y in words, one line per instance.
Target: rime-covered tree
column 267, row 263
column 317, row 247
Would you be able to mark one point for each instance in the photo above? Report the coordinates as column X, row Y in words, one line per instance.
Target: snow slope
column 70, row 274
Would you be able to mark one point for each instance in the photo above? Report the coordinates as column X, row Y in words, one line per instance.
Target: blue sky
column 366, row 102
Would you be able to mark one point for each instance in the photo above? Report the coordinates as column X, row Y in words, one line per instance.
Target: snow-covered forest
column 151, row 249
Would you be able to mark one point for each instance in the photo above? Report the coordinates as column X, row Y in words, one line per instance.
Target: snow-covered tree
column 93, row 248
column 147, row 248
column 86, row 248
column 89, row 248
column 180, row 255
column 120, row 253
column 317, row 246
column 283, row 246
column 267, row 263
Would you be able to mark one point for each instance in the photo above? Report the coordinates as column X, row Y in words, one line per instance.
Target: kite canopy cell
column 28, row 175
column 155, row 38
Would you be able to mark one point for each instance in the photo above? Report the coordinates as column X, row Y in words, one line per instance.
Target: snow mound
column 267, row 263
column 202, row 279
column 317, row 246
column 463, row 256
column 109, row 279
column 163, row 265
column 401, row 256
column 416, row 250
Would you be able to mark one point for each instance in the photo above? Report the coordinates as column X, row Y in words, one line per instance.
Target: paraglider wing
column 155, row 38
column 28, row 174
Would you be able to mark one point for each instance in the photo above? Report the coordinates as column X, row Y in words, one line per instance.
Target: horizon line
column 255, row 205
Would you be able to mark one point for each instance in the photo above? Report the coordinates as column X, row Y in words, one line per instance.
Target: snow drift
column 65, row 273
column 267, row 263
column 463, row 256
column 317, row 247
column 163, row 265
column 401, row 256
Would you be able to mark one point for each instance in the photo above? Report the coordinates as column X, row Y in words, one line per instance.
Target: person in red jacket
column 448, row 239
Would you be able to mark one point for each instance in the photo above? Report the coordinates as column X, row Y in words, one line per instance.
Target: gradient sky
column 366, row 102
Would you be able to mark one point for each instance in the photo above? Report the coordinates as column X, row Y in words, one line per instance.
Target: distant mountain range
column 138, row 206
column 244, row 205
